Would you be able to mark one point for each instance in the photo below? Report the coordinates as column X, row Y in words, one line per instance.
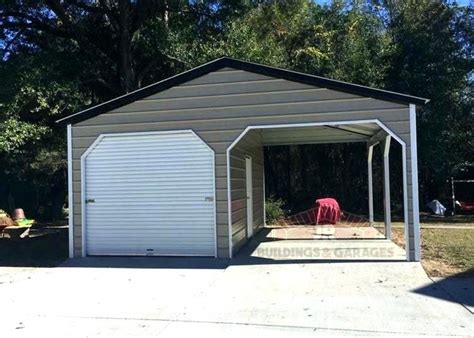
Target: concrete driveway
column 171, row 297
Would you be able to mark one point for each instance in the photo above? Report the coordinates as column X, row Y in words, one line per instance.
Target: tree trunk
column 126, row 72
column 58, row 194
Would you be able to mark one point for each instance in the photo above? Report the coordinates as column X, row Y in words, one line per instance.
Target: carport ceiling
column 320, row 134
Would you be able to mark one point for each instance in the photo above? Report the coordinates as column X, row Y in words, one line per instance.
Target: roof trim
column 240, row 65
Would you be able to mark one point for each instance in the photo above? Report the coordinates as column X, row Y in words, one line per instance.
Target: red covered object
column 327, row 211
column 466, row 206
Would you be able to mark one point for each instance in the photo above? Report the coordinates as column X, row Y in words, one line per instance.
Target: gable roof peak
column 226, row 61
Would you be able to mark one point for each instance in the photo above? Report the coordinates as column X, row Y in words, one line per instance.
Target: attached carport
column 227, row 110
column 370, row 132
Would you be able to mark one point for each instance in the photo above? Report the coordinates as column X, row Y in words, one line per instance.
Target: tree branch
column 60, row 11
column 10, row 42
column 141, row 75
column 28, row 21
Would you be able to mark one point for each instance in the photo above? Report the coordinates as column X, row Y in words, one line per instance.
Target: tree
column 36, row 90
column 109, row 34
column 432, row 57
column 59, row 56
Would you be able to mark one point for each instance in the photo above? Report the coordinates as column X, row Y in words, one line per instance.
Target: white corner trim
column 213, row 192
column 70, row 192
column 414, row 182
column 83, row 192
column 386, row 178
column 229, row 198
column 264, row 197
column 405, row 201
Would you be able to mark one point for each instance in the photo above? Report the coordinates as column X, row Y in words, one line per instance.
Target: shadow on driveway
column 42, row 249
column 458, row 288
column 155, row 262
column 51, row 250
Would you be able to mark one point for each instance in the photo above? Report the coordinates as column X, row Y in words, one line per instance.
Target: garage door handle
column 90, row 200
column 209, row 199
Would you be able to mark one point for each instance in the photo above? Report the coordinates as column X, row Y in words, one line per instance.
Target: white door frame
column 96, row 142
column 249, row 194
column 331, row 123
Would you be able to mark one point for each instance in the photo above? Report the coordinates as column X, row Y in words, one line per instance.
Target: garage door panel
column 143, row 204
column 152, row 211
column 201, row 177
column 100, row 195
column 164, row 184
column 151, row 233
column 150, row 194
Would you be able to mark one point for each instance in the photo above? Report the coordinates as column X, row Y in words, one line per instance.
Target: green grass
column 449, row 220
column 454, row 246
column 445, row 251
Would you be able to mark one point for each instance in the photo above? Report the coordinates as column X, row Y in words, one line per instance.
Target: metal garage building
column 185, row 156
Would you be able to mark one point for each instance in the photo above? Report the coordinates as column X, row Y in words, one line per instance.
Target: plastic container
column 18, row 214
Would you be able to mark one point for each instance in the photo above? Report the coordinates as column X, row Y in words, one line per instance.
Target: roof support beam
column 348, row 130
column 305, row 142
column 377, row 138
column 358, row 129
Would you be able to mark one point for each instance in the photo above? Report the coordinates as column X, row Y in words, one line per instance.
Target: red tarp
column 327, row 210
column 466, row 206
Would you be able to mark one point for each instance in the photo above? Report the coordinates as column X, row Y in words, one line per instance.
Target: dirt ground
column 47, row 250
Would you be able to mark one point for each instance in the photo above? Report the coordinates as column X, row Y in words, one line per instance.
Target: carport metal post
column 386, row 190
column 414, row 186
column 370, row 183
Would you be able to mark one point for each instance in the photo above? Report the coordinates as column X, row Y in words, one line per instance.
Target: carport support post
column 370, row 182
column 386, row 190
column 414, row 252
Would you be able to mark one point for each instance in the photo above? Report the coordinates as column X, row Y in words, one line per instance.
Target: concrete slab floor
column 308, row 250
column 303, row 244
column 320, row 232
column 156, row 297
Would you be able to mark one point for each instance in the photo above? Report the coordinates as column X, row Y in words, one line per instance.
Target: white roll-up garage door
column 149, row 194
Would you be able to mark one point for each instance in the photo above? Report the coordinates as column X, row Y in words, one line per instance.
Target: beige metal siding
column 249, row 145
column 218, row 107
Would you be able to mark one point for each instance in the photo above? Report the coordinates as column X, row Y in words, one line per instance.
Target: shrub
column 273, row 210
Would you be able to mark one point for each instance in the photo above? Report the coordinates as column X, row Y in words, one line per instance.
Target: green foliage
column 36, row 90
column 274, row 210
column 432, row 57
column 14, row 134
